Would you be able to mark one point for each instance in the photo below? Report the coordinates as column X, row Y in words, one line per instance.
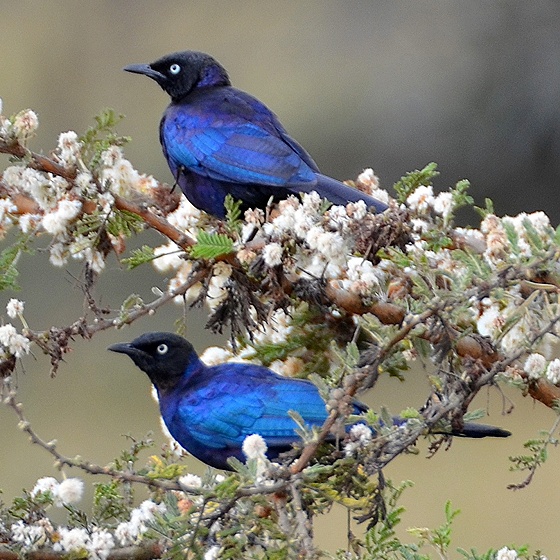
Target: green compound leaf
column 211, row 245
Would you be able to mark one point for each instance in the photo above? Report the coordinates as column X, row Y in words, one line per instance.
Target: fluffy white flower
column 13, row 342
column 58, row 254
column 100, row 544
column 57, row 221
column 535, row 365
column 368, row 179
column 14, row 308
column 506, row 553
column 25, row 123
column 272, row 254
column 29, row 536
column 361, row 433
column 71, row 540
column 70, row 491
column 214, row 355
column 490, row 322
column 553, row 371
column 254, row 447
column 45, row 484
column 421, row 199
column 29, row 222
column 190, row 481
column 68, row 147
column 443, row 204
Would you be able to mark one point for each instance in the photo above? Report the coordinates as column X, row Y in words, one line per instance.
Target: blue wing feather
column 224, row 411
column 230, row 136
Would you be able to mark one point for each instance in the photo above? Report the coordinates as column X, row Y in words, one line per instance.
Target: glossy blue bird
column 219, row 140
column 211, row 410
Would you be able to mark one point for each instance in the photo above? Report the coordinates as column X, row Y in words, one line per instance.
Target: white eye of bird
column 162, row 349
column 174, row 69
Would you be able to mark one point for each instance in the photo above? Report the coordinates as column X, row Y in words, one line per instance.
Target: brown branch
column 147, row 551
column 155, row 222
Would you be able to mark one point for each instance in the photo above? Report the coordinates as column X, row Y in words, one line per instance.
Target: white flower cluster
column 506, row 553
column 254, row 448
column 130, row 532
column 422, row 201
column 19, row 128
column 500, row 248
column 57, row 203
column 536, row 366
column 31, row 536
column 119, row 176
column 358, row 437
column 69, row 491
column 12, row 342
column 97, row 543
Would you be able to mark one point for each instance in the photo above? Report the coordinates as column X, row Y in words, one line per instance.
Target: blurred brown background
column 474, row 86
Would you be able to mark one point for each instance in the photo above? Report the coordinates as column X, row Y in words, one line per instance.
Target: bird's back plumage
column 219, row 140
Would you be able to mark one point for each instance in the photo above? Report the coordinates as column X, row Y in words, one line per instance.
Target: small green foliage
column 108, row 502
column 487, row 210
column 538, row 454
column 8, row 260
column 132, row 302
column 101, row 136
column 8, row 270
column 413, row 179
column 125, row 223
column 211, row 245
column 139, row 256
column 233, row 214
column 460, row 196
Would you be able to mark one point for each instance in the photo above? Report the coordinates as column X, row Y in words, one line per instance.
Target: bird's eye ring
column 162, row 349
column 174, row 69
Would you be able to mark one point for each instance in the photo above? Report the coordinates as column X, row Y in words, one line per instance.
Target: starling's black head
column 179, row 73
column 165, row 357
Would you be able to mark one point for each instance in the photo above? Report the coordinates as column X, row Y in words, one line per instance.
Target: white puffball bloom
column 68, row 147
column 272, row 254
column 190, row 481
column 71, row 540
column 421, row 199
column 13, row 342
column 14, row 308
column 214, row 355
column 45, row 484
column 506, row 553
column 443, row 204
column 57, row 221
column 535, row 365
column 70, row 491
column 25, row 123
column 553, row 371
column 490, row 322
column 100, row 544
column 254, row 447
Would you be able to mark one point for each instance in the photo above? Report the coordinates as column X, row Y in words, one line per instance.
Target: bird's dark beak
column 146, row 70
column 122, row 348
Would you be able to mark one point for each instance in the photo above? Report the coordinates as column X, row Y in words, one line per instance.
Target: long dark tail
column 339, row 193
column 473, row 430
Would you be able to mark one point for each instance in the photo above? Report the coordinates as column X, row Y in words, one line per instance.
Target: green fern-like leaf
column 233, row 213
column 412, row 180
column 139, row 256
column 211, row 245
column 101, row 136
